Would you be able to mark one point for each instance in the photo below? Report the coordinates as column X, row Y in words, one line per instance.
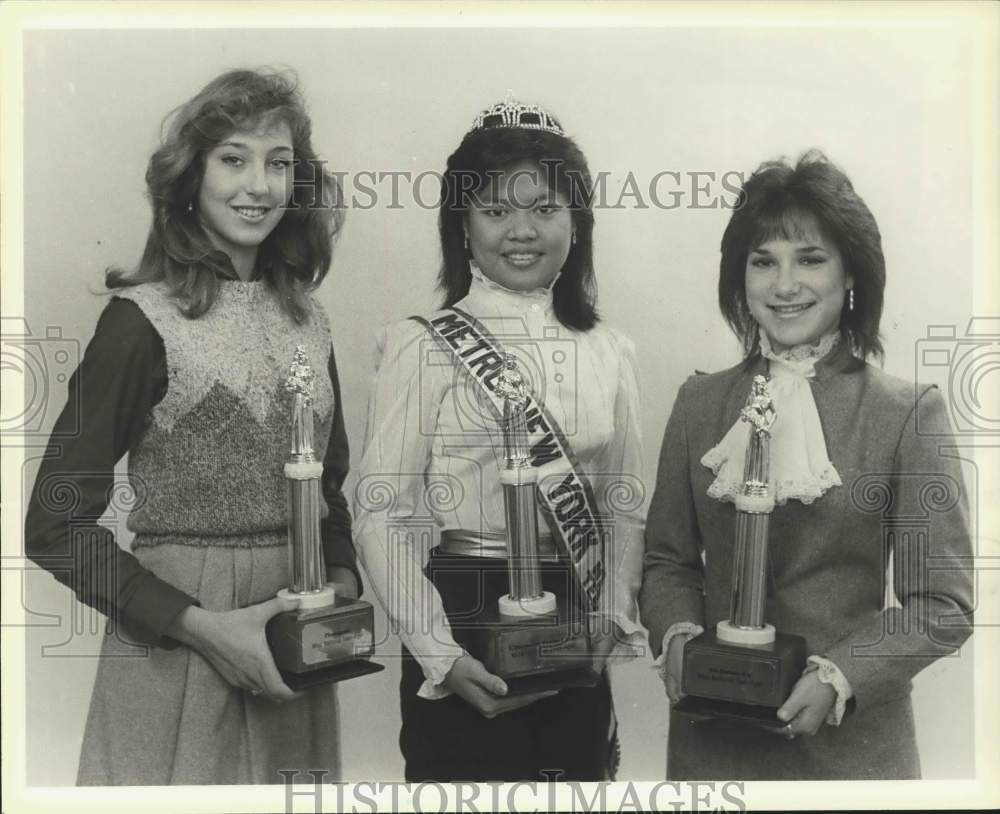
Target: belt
column 491, row 544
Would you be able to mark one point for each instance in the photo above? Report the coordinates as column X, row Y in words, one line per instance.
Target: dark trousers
column 569, row 736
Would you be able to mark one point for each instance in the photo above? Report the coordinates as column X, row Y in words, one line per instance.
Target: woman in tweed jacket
column 801, row 283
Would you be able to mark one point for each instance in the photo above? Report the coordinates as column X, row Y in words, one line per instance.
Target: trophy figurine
column 328, row 637
column 527, row 640
column 744, row 669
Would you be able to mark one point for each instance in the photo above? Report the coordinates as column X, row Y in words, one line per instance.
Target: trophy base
column 554, row 680
column 324, row 644
column 701, row 709
column 330, row 675
column 532, row 654
column 741, row 681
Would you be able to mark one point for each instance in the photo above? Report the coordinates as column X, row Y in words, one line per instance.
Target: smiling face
column 244, row 190
column 795, row 288
column 519, row 230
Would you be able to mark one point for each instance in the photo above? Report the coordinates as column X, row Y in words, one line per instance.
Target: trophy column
column 519, row 478
column 527, row 639
column 744, row 669
column 754, row 505
column 302, row 476
column 327, row 638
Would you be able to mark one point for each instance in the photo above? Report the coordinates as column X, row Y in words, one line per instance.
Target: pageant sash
column 566, row 496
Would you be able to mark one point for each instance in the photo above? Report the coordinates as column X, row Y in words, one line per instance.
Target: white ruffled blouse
column 800, row 469
column 433, row 455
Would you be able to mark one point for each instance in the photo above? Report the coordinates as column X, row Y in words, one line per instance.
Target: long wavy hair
column 295, row 256
column 773, row 203
column 486, row 152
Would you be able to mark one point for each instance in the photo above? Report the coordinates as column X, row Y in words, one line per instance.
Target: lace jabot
column 801, row 359
column 800, row 467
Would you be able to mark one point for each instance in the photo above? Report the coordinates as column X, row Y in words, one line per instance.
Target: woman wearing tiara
column 515, row 227
column 185, row 373
column 853, row 450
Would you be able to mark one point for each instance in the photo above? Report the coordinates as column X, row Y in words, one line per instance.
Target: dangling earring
column 190, row 207
column 468, row 254
column 573, row 239
column 850, row 299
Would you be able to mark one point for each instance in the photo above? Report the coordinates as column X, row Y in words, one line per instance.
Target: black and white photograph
column 569, row 406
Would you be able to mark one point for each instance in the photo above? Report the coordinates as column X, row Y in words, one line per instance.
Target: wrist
column 188, row 625
column 829, row 675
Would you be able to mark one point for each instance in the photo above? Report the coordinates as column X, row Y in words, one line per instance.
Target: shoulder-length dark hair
column 295, row 257
column 773, row 203
column 482, row 154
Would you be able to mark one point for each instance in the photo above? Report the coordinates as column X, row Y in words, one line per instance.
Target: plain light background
column 891, row 107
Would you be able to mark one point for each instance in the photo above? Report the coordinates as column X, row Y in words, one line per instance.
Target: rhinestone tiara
column 511, row 113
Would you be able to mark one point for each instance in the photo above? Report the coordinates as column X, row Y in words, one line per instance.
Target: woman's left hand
column 806, row 709
column 603, row 638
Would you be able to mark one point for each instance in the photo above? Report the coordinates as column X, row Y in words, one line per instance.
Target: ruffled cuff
column 829, row 673
column 686, row 629
column 436, row 670
column 630, row 638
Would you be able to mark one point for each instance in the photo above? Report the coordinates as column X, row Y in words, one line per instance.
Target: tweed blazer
column 902, row 502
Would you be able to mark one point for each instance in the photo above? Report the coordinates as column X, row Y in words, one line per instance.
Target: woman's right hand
column 675, row 666
column 472, row 682
column 235, row 644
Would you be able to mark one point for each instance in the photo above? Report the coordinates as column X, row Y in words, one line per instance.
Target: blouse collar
column 829, row 356
column 228, row 275
column 482, row 287
column 800, row 360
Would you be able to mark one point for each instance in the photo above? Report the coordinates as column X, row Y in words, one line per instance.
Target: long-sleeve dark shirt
column 122, row 376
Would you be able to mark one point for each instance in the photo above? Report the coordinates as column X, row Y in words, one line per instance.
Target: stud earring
column 850, row 299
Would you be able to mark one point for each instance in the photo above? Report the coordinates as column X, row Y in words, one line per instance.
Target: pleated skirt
column 162, row 717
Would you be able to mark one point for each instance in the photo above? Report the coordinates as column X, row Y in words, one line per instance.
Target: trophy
column 527, row 639
column 328, row 637
column 744, row 670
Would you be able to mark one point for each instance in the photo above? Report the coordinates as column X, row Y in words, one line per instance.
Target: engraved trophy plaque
column 328, row 637
column 744, row 670
column 527, row 639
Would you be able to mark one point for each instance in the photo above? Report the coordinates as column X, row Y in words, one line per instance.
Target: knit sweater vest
column 209, row 469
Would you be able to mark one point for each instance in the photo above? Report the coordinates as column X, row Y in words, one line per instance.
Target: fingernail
column 501, row 688
column 784, row 716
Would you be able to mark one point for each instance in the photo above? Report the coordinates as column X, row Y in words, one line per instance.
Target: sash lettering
column 566, row 496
